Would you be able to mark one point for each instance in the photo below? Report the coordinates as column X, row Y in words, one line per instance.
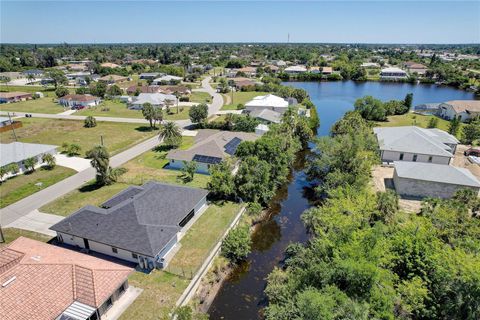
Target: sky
column 245, row 21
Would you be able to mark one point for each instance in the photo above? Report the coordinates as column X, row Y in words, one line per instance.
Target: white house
column 167, row 79
column 415, row 179
column 295, row 69
column 211, row 147
column 17, row 152
column 465, row 109
column 158, row 100
column 140, row 224
column 393, row 73
column 415, row 144
column 268, row 101
column 79, row 100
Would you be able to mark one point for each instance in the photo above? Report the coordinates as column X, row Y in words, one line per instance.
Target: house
column 175, row 89
column 368, row 65
column 415, row 67
column 248, row 71
column 109, row 65
column 43, row 281
column 158, row 100
column 6, row 124
column 239, row 83
column 280, row 63
column 464, row 109
column 268, row 101
column 79, row 100
column 428, row 108
column 143, row 89
column 112, row 78
column 261, row 129
column 327, row 70
column 17, row 152
column 141, row 224
column 314, row 70
column 149, row 75
column 33, row 72
column 393, row 73
column 266, row 116
column 211, row 147
column 415, row 144
column 272, row 68
column 415, row 179
column 167, row 79
column 295, row 69
column 15, row 96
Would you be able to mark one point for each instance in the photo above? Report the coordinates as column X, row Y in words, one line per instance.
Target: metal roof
column 15, row 152
column 77, row 311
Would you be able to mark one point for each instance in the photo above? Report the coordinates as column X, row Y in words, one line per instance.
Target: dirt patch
column 211, row 284
column 462, row 161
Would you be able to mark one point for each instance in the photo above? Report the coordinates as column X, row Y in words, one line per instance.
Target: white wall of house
column 179, row 165
column 389, row 156
column 447, row 112
column 277, row 109
column 420, row 188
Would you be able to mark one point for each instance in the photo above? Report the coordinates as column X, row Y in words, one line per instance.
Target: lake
column 241, row 296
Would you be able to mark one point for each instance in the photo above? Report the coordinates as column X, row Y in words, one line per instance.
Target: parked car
column 472, row 152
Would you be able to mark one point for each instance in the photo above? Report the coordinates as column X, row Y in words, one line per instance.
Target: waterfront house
column 419, row 180
column 415, row 67
column 393, row 73
column 211, row 147
column 327, row 70
column 463, row 109
column 411, row 143
column 268, row 101
column 266, row 116
column 295, row 69
column 141, row 224
column 43, row 281
column 14, row 96
column 79, row 100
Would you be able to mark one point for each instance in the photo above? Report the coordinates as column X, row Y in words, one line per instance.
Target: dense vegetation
column 369, row 260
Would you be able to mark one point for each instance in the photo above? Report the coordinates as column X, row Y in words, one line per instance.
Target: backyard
column 11, row 234
column 239, row 97
column 41, row 105
column 23, row 185
column 116, row 136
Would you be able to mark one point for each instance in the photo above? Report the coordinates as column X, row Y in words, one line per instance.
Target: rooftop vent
column 6, row 283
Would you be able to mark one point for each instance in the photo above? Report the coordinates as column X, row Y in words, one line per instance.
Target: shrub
column 90, row 122
column 61, row 92
column 237, row 244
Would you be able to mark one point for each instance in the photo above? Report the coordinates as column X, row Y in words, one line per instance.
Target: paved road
column 23, row 207
column 217, row 101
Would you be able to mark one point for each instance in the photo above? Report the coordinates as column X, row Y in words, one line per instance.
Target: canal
column 241, row 296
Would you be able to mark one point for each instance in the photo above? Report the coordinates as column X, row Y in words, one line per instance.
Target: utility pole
column 13, row 129
column 101, row 140
column 232, row 96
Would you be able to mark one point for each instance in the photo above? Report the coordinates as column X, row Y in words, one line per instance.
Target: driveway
column 37, row 221
column 76, row 163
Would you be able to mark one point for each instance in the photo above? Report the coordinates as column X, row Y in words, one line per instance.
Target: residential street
column 217, row 101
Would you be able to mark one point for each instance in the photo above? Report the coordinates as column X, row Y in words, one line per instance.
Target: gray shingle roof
column 415, row 140
column 267, row 115
column 18, row 151
column 441, row 173
column 140, row 221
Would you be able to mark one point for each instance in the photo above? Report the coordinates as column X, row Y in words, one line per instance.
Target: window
column 401, row 156
column 187, row 218
column 414, row 158
column 430, row 159
column 134, row 255
column 114, row 250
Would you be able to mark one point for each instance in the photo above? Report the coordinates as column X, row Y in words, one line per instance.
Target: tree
column 253, row 180
column 148, row 112
column 98, row 89
column 170, row 133
column 90, row 122
column 408, row 102
column 3, row 172
column 50, row 160
column 237, row 244
column 13, row 168
column 471, row 132
column 30, row 163
column 30, row 78
column 198, row 113
column 58, row 78
column 387, row 205
column 221, row 184
column 454, row 126
column 114, row 90
column 433, row 122
column 188, row 171
column 61, row 91
column 105, row 175
column 371, row 108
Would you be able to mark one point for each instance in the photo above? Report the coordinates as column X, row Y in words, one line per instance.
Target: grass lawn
column 148, row 166
column 411, row 119
column 240, row 97
column 23, row 185
column 200, row 97
column 173, row 115
column 11, row 234
column 111, row 108
column 46, row 90
column 42, row 105
column 117, row 136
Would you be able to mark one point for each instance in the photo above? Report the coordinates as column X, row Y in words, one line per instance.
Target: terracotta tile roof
column 48, row 279
column 8, row 95
column 465, row 105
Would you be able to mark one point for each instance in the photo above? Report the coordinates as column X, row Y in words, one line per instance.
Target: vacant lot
column 146, row 167
column 23, row 185
column 50, row 91
column 162, row 289
column 200, row 97
column 111, row 109
column 42, row 105
column 116, row 136
column 240, row 97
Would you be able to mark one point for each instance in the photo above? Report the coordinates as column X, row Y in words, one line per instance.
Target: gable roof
column 268, row 100
column 210, row 143
column 441, row 173
column 48, row 279
column 464, row 105
column 139, row 219
column 14, row 152
column 413, row 139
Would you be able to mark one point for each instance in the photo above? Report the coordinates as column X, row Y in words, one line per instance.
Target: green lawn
column 148, row 166
column 240, row 97
column 173, row 115
column 411, row 119
column 111, row 108
column 50, row 91
column 42, row 105
column 200, row 97
column 21, row 186
column 116, row 136
column 11, row 234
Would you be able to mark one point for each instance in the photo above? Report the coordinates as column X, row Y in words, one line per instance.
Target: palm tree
column 49, row 159
column 170, row 133
column 30, row 78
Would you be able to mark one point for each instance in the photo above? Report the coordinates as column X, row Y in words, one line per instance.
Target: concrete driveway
column 37, row 221
column 76, row 163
